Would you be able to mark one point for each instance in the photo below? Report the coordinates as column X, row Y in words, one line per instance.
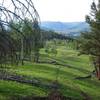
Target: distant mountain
column 67, row 28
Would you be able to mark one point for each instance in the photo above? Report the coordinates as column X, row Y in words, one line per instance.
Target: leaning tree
column 15, row 11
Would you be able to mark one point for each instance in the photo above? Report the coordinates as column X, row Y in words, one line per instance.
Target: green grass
column 46, row 73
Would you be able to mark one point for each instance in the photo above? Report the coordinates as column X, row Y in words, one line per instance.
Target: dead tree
column 16, row 11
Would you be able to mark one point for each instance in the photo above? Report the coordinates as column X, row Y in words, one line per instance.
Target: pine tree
column 90, row 41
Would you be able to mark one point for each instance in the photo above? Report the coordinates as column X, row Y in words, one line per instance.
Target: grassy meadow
column 70, row 66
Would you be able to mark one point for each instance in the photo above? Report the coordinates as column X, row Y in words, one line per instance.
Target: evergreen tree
column 90, row 41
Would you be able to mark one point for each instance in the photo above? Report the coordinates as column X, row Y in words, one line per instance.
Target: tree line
column 25, row 44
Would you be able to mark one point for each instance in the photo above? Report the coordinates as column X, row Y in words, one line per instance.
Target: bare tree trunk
column 99, row 68
column 99, row 72
column 96, row 63
column 96, row 70
column 94, row 60
column 36, row 56
column 22, row 51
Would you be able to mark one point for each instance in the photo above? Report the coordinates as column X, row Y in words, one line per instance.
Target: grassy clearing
column 69, row 86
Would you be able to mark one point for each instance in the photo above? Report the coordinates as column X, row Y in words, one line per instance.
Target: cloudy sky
column 62, row 10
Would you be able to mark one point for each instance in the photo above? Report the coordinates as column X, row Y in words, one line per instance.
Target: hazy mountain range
column 67, row 28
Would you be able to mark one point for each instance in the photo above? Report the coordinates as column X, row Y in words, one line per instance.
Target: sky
column 63, row 10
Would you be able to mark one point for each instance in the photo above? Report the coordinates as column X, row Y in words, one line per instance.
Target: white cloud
column 62, row 10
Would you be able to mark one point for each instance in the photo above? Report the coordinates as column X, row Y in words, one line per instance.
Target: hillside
column 69, row 28
column 71, row 66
